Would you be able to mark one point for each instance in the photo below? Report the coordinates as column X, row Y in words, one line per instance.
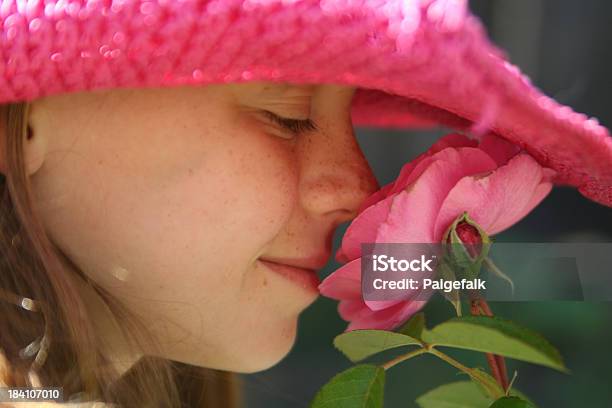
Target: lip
column 314, row 262
column 304, row 277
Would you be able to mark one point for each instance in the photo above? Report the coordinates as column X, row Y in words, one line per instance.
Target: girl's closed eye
column 295, row 126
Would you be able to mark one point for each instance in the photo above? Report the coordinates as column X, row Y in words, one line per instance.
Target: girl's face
column 170, row 197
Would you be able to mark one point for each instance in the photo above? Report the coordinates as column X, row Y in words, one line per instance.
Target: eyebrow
column 281, row 89
column 291, row 99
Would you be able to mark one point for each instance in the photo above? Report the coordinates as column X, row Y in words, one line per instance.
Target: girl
column 170, row 189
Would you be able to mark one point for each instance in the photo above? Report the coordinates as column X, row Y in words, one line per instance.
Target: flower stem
column 497, row 363
column 492, row 389
column 403, row 357
column 451, row 361
column 490, row 385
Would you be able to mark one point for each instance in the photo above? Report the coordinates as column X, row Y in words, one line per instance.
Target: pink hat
column 415, row 61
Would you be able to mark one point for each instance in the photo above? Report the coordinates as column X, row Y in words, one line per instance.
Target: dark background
column 564, row 46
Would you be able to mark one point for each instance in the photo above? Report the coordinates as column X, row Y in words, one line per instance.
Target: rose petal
column 376, row 197
column 350, row 310
column 539, row 194
column 376, row 305
column 386, row 319
column 413, row 212
column 363, row 229
column 500, row 149
column 548, row 175
column 376, row 207
column 344, row 282
column 498, row 200
column 411, row 170
column 405, row 179
column 450, row 140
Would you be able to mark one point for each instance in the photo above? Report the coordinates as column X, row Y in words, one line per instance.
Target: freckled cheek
column 274, row 197
column 262, row 174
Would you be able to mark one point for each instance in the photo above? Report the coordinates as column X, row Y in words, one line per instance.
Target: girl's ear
column 34, row 147
column 34, row 144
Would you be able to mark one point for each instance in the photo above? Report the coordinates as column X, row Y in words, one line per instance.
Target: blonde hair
column 30, row 266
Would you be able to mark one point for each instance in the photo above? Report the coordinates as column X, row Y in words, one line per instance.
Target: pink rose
column 495, row 182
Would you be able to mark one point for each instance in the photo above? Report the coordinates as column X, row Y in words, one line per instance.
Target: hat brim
column 415, row 63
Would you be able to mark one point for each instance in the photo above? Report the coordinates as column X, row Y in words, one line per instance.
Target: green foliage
column 454, row 296
column 467, row 394
column 461, row 394
column 511, row 402
column 414, row 327
column 495, row 335
column 360, row 344
column 487, row 384
column 361, row 386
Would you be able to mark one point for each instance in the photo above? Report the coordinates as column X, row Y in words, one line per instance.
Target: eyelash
column 294, row 125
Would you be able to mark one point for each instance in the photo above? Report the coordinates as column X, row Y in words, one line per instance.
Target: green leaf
column 360, row 386
column 495, row 335
column 461, row 394
column 488, row 385
column 511, row 402
column 414, row 327
column 454, row 296
column 360, row 344
column 498, row 272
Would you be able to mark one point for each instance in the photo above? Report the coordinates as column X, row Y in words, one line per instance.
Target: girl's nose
column 335, row 176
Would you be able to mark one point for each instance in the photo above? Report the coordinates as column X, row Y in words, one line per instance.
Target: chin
column 259, row 353
column 271, row 351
